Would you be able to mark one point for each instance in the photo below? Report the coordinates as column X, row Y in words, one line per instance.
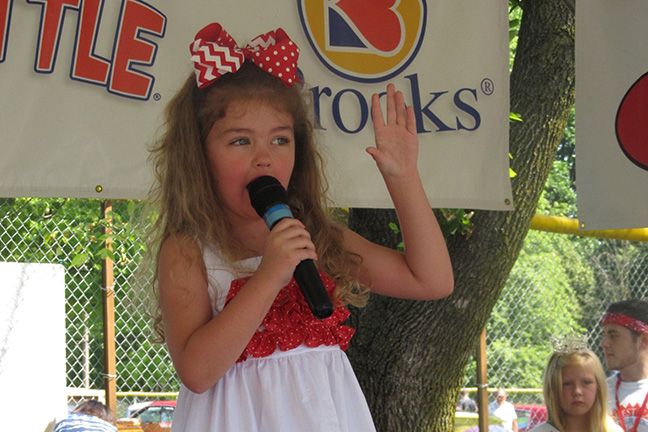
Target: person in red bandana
column 625, row 345
column 249, row 353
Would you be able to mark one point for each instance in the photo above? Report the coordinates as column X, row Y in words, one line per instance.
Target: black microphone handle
column 269, row 199
column 313, row 289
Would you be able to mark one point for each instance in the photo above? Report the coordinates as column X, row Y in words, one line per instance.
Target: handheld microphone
column 269, row 199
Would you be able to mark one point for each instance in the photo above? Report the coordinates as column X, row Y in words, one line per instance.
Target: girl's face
column 251, row 140
column 578, row 390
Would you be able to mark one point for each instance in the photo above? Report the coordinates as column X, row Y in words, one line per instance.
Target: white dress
column 293, row 376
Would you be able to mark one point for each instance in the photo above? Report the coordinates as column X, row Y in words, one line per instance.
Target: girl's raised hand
column 396, row 150
column 425, row 270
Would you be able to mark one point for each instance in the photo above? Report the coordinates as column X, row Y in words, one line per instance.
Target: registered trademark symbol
column 487, row 86
column 157, row 96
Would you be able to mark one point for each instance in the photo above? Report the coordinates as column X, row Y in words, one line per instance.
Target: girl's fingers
column 392, row 111
column 376, row 111
column 411, row 120
column 401, row 109
column 397, row 111
column 290, row 235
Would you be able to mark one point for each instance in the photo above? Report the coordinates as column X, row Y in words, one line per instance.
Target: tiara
column 569, row 343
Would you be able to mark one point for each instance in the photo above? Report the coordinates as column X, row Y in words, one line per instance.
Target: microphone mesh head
column 265, row 192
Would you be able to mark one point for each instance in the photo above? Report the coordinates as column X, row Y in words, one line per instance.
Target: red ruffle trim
column 289, row 322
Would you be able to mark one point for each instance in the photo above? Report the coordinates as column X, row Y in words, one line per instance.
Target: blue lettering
column 419, row 110
column 463, row 106
column 364, row 111
column 462, row 99
column 316, row 105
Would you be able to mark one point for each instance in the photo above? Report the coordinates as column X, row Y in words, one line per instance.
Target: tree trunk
column 410, row 356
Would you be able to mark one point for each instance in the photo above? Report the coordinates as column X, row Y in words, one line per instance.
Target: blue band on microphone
column 275, row 213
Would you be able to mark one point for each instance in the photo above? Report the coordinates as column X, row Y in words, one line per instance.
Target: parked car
column 132, row 409
column 529, row 416
column 155, row 417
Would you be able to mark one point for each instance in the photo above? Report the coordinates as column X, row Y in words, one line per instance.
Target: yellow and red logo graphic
column 364, row 40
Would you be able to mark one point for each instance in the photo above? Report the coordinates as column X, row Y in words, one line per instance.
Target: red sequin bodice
column 290, row 323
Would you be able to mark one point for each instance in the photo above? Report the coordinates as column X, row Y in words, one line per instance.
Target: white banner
column 612, row 114
column 83, row 84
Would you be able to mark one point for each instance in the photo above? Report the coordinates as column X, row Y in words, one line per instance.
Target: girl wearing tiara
column 575, row 393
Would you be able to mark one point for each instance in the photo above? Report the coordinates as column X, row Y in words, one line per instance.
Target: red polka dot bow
column 215, row 53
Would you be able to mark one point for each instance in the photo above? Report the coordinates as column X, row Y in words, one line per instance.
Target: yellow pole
column 565, row 225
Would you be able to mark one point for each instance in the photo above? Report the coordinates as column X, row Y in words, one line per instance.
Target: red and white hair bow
column 215, row 53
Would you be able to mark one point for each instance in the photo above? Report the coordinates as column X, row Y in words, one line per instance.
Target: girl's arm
column 425, row 270
column 204, row 348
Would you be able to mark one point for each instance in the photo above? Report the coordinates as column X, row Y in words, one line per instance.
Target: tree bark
column 410, row 356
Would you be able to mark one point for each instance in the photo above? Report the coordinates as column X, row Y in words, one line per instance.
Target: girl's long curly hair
column 189, row 205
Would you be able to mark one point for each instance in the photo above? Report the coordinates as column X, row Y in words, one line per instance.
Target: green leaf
column 512, row 34
column 79, row 259
column 394, row 227
column 106, row 253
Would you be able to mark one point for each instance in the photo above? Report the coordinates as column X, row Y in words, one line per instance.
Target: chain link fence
column 70, row 232
column 560, row 284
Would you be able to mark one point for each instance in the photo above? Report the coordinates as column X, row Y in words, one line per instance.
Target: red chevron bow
column 215, row 53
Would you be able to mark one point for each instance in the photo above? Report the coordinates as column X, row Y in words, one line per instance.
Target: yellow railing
column 565, row 225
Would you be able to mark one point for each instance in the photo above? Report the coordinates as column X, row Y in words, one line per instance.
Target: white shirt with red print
column 631, row 398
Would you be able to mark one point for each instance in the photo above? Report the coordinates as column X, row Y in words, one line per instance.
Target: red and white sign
column 612, row 114
column 84, row 83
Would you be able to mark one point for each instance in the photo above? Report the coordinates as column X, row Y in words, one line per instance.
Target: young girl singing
column 575, row 393
column 249, row 353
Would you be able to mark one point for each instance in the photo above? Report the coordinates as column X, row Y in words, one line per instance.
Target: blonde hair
column 187, row 200
column 552, row 388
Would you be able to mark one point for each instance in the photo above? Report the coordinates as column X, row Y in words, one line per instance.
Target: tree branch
column 571, row 5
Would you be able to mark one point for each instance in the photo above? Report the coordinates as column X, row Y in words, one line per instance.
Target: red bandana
column 215, row 53
column 625, row 321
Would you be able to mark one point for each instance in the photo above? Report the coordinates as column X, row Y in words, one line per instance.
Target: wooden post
column 482, row 383
column 107, row 282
